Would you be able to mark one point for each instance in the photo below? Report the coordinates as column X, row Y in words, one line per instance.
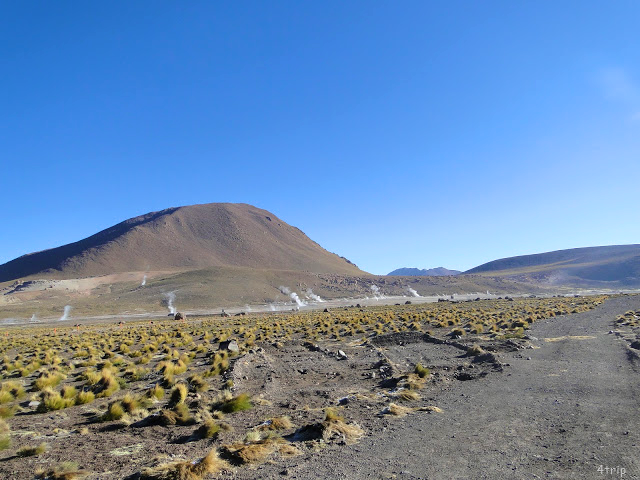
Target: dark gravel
column 562, row 410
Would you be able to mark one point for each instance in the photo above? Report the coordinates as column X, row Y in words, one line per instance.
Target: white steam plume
column 144, row 281
column 34, row 318
column 65, row 315
column 313, row 296
column 171, row 297
column 376, row 292
column 292, row 295
column 413, row 292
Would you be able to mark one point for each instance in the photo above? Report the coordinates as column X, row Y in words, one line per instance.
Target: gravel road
column 566, row 409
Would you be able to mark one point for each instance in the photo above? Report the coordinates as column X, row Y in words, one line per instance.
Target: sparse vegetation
column 28, row 451
column 62, row 471
column 236, row 404
column 186, row 470
column 167, row 374
column 421, row 371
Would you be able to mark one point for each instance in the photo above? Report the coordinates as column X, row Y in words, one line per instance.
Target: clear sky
column 396, row 134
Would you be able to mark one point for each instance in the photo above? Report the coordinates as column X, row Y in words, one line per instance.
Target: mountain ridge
column 609, row 265
column 194, row 236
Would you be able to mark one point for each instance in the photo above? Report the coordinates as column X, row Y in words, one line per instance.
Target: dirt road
column 569, row 409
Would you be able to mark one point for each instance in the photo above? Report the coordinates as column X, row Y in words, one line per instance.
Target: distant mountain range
column 430, row 272
column 609, row 266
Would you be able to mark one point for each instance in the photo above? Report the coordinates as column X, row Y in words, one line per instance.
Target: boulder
column 229, row 345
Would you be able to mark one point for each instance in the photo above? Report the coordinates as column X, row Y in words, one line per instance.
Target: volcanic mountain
column 608, row 266
column 422, row 272
column 191, row 237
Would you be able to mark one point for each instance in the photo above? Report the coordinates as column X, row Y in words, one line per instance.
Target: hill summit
column 196, row 236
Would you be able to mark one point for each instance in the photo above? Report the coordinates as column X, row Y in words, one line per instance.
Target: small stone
column 341, row 354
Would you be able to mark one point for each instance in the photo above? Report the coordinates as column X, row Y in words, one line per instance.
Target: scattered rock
column 342, row 355
column 230, row 345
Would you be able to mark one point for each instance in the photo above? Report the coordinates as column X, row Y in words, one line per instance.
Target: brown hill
column 191, row 237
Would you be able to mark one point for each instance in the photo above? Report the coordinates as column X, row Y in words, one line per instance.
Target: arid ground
column 504, row 388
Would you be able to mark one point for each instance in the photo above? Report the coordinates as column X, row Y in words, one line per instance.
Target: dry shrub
column 63, row 471
column 184, row 470
column 178, row 395
column 397, row 410
column 85, row 397
column 28, row 451
column 277, row 423
column 475, row 350
column 209, row 429
column 5, row 439
column 180, row 415
column 50, row 400
column 334, row 424
column 7, row 411
column 288, row 450
column 421, row 371
column 412, row 381
column 332, row 428
column 48, row 380
column 430, row 409
column 115, row 411
column 235, row 404
column 407, row 395
column 254, row 450
column 155, row 393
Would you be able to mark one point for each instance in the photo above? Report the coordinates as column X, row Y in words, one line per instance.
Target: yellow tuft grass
column 277, row 423
column 28, row 451
column 397, row 410
column 185, row 470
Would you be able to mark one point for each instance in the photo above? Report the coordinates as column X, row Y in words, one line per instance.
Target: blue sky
column 394, row 133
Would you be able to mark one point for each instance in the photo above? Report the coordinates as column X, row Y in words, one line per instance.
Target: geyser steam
column 413, row 292
column 376, row 292
column 144, row 281
column 292, row 295
column 313, row 296
column 170, row 298
column 65, row 315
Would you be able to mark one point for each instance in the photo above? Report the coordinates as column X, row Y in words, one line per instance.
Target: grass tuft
column 184, row 470
column 63, row 471
column 421, row 371
column 28, row 451
column 236, row 404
